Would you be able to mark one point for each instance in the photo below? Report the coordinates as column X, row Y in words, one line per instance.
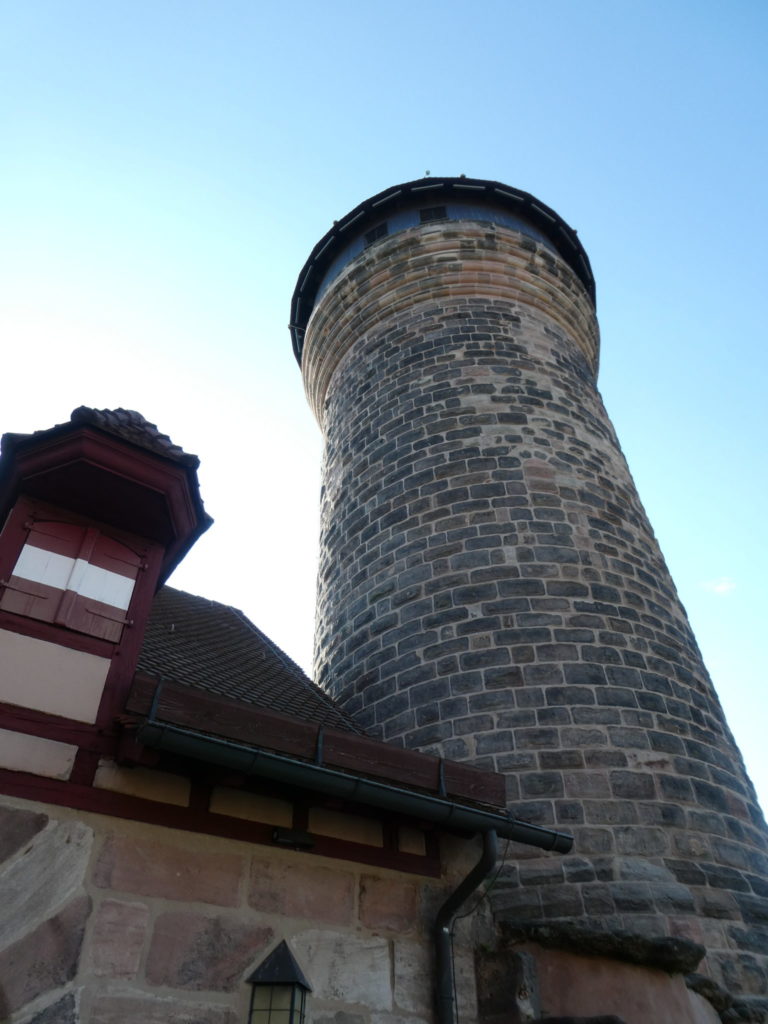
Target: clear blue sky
column 166, row 167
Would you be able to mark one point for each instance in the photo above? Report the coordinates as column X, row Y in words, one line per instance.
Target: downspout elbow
column 444, row 920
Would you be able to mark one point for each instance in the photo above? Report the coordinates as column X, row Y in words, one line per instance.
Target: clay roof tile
column 214, row 648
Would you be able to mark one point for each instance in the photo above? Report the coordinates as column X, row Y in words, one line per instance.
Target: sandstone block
column 34, row 887
column 63, row 1011
column 535, row 784
column 149, row 867
column 117, row 938
column 389, row 904
column 587, row 784
column 346, row 967
column 17, row 827
column 302, row 889
column 46, row 957
column 413, row 978
column 340, row 1017
column 192, row 951
column 633, row 785
column 507, row 982
column 118, row 1009
column 644, row 842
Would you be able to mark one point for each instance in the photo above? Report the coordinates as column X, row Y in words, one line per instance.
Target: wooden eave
column 236, row 721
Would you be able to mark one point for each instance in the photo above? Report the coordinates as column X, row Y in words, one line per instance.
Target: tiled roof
column 125, row 423
column 215, row 649
column 132, row 426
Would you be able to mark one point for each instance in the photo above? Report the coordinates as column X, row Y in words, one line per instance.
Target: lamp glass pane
column 277, row 1004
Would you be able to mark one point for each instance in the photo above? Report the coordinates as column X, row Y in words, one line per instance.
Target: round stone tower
column 489, row 585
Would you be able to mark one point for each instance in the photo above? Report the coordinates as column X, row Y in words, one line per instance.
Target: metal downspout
column 445, row 982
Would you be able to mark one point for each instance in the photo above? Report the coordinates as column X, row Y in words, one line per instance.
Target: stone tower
column 489, row 585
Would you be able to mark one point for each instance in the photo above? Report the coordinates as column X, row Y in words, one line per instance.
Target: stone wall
column 109, row 922
column 490, row 589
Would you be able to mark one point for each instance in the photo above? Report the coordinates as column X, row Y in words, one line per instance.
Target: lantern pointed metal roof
column 279, row 968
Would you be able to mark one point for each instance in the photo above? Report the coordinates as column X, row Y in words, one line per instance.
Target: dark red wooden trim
column 82, row 468
column 200, row 796
column 84, row 769
column 30, row 514
column 432, row 845
column 389, row 832
column 204, row 776
column 300, row 815
column 62, row 538
column 14, row 536
column 59, row 635
column 31, row 599
column 130, row 752
column 123, row 655
column 149, row 554
column 126, row 655
column 119, row 805
column 54, row 727
column 236, row 721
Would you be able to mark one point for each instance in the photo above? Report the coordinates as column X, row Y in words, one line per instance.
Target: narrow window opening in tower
column 376, row 233
column 433, row 213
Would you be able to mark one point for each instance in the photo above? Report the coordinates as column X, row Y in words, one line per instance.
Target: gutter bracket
column 152, row 716
column 319, row 745
column 442, row 791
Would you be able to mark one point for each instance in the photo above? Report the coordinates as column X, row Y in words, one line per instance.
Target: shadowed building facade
column 490, row 588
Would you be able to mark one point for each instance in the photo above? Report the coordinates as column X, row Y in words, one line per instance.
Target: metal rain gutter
column 289, row 770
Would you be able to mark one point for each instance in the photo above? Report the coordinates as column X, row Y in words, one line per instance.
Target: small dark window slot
column 433, row 213
column 376, row 233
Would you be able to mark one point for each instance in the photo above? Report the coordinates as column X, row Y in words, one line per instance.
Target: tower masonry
column 490, row 588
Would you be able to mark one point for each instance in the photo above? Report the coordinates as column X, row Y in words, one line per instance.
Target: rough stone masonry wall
column 111, row 922
column 490, row 589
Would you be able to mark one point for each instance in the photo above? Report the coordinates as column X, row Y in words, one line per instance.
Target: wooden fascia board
column 242, row 723
column 144, row 470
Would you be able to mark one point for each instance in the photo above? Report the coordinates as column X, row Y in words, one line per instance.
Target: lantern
column 279, row 989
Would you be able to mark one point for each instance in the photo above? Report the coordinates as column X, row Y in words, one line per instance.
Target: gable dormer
column 97, row 512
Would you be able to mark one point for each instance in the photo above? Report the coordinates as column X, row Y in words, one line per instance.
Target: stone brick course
column 198, row 951
column 18, row 827
column 476, row 503
column 45, row 958
column 121, row 1008
column 118, row 934
column 137, row 922
column 302, row 890
column 63, row 1011
column 382, row 907
column 155, row 869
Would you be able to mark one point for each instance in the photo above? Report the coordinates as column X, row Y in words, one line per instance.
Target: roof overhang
column 92, row 473
column 422, row 192
column 356, row 769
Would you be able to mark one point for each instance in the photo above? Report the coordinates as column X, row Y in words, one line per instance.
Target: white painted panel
column 143, row 782
column 23, row 753
column 345, row 826
column 47, row 677
column 236, row 803
column 42, row 566
column 65, row 573
column 101, row 584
